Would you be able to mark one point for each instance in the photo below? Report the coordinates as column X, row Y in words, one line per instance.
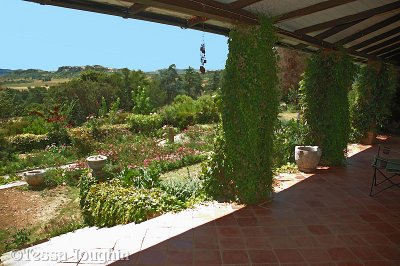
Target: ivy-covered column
column 370, row 100
column 327, row 81
column 249, row 110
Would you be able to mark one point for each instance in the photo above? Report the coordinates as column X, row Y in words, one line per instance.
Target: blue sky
column 46, row 37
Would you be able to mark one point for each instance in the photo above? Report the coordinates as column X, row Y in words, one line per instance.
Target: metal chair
column 387, row 166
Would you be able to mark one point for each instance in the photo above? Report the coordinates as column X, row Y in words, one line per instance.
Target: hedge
column 28, row 142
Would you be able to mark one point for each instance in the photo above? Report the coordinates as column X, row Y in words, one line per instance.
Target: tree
column 170, row 82
column 158, row 96
column 192, row 82
column 141, row 102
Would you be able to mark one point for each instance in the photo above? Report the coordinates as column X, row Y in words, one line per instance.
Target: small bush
column 109, row 204
column 184, row 188
column 287, row 135
column 139, row 177
column 6, row 149
column 56, row 177
column 82, row 140
column 144, row 123
column 185, row 111
column 29, row 142
column 217, row 184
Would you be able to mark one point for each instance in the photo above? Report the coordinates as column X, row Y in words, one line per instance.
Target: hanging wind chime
column 203, row 59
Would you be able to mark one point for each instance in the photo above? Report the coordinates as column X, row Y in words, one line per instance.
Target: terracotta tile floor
column 325, row 219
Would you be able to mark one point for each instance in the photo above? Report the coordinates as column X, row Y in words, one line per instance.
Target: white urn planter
column 34, row 177
column 97, row 163
column 307, row 158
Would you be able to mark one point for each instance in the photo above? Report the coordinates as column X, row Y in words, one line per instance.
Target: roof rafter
column 370, row 29
column 312, row 9
column 137, row 8
column 387, row 49
column 382, row 44
column 204, row 8
column 358, row 16
column 237, row 5
column 391, row 54
column 375, row 39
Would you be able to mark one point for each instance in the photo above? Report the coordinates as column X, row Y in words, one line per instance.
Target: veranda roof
column 367, row 29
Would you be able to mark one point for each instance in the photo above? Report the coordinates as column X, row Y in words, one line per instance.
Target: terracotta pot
column 307, row 158
column 35, row 177
column 369, row 138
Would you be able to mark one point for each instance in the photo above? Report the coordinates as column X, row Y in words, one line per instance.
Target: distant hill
column 5, row 71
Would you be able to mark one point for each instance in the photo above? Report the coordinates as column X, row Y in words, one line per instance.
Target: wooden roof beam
column 392, row 54
column 370, row 29
column 312, row 9
column 204, row 8
column 237, row 5
column 137, row 8
column 382, row 44
column 386, row 50
column 358, row 16
column 375, row 39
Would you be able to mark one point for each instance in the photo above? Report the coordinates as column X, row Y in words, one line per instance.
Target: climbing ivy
column 249, row 97
column 325, row 108
column 372, row 93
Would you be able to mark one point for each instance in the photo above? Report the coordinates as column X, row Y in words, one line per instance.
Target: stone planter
column 34, row 178
column 307, row 158
column 369, row 138
column 97, row 163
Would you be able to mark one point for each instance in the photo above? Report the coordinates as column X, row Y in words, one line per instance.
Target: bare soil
column 21, row 208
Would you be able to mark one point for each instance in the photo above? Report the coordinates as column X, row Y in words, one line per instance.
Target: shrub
column 185, row 111
column 144, row 123
column 286, row 136
column 29, row 142
column 184, row 188
column 113, row 130
column 56, row 177
column 217, row 184
column 207, row 110
column 139, row 177
column 82, row 140
column 370, row 99
column 37, row 125
column 6, row 149
column 109, row 204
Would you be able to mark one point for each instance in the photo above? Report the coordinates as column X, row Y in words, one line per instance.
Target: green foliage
column 183, row 188
column 18, row 239
column 170, row 82
column 29, row 142
column 58, row 176
column 82, row 139
column 141, row 102
column 185, row 111
column 192, row 82
column 109, row 204
column 10, row 179
column 86, row 181
column 144, row 123
column 6, row 149
column 250, row 108
column 287, row 135
column 139, row 177
column 324, row 103
column 370, row 99
column 217, row 183
column 37, row 126
column 113, row 114
column 103, row 108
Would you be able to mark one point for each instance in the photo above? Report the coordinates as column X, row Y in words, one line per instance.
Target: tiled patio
column 325, row 219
